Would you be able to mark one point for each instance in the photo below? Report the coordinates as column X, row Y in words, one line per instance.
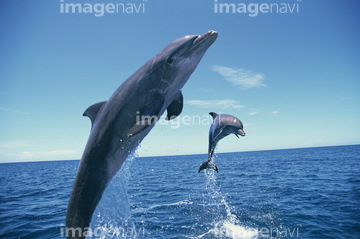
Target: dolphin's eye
column 170, row 60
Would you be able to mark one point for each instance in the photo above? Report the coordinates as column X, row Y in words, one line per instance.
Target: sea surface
column 293, row 193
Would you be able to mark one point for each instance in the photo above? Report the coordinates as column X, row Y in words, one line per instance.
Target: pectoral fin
column 146, row 117
column 93, row 111
column 175, row 108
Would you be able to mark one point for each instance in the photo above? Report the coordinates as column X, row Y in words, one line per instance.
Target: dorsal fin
column 176, row 106
column 93, row 111
column 214, row 115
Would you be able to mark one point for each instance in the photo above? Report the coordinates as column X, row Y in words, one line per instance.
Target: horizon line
column 175, row 155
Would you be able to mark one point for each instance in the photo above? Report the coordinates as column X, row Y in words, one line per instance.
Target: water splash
column 112, row 217
column 228, row 226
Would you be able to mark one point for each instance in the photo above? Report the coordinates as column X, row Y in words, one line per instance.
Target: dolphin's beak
column 203, row 42
column 241, row 132
column 212, row 35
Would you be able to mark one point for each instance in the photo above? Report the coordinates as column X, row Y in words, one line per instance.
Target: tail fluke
column 208, row 165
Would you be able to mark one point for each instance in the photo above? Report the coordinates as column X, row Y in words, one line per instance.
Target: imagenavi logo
column 254, row 9
column 99, row 9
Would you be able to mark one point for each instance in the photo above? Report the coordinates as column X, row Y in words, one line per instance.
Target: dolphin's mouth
column 203, row 41
column 210, row 35
column 241, row 132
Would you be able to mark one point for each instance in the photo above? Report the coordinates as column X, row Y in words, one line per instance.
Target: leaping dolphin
column 122, row 122
column 222, row 126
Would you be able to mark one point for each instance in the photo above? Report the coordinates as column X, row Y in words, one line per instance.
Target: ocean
column 292, row 193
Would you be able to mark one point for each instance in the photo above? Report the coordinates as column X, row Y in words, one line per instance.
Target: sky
column 292, row 77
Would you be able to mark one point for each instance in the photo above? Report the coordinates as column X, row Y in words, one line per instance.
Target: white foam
column 226, row 229
column 230, row 230
column 186, row 202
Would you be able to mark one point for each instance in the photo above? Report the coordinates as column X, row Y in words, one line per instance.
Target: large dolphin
column 122, row 122
column 222, row 126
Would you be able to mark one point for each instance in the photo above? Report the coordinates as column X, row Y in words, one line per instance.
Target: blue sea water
column 294, row 193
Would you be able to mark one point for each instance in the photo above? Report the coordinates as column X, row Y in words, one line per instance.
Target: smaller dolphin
column 222, row 126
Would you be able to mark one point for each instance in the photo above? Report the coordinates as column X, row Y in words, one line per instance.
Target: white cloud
column 245, row 79
column 59, row 152
column 13, row 111
column 207, row 89
column 275, row 112
column 217, row 104
column 13, row 144
column 26, row 155
column 47, row 154
column 254, row 112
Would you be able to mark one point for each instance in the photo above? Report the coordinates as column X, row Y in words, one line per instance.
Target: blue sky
column 293, row 79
